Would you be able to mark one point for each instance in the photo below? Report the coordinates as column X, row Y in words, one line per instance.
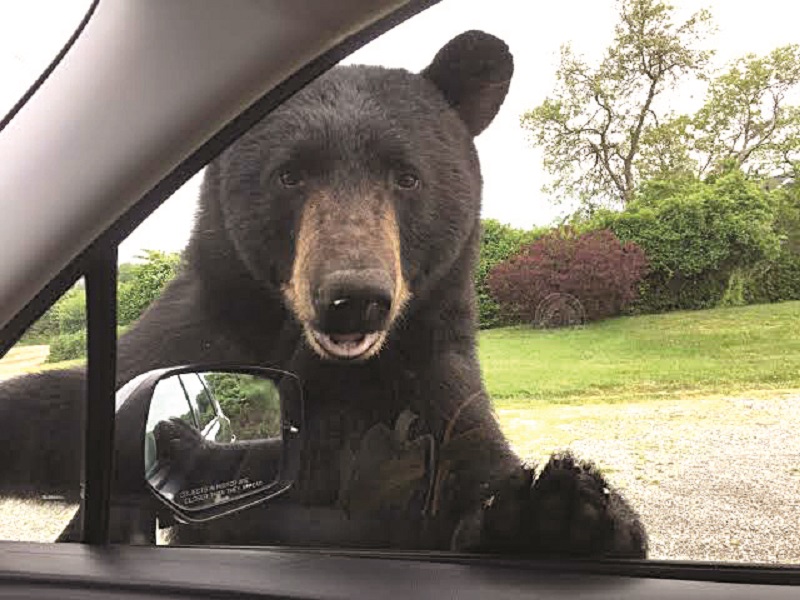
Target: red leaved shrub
column 594, row 267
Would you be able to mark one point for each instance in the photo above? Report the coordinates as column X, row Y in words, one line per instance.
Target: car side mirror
column 214, row 440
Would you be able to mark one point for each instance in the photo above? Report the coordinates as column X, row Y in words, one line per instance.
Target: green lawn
column 710, row 352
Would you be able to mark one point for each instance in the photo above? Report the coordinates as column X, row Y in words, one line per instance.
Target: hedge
column 695, row 236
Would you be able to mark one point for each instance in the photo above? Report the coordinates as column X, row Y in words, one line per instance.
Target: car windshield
column 536, row 270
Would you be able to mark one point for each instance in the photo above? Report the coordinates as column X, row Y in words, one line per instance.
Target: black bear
column 338, row 239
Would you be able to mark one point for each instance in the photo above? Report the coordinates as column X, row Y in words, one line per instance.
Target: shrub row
column 696, row 236
column 722, row 241
column 774, row 281
column 595, row 268
column 68, row 346
column 71, row 346
column 498, row 243
column 252, row 404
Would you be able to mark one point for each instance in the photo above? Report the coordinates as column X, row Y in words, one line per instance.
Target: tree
column 745, row 121
column 593, row 126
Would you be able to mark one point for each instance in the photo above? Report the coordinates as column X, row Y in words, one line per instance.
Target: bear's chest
column 356, row 420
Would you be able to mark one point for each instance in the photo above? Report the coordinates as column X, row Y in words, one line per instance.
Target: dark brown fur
column 317, row 188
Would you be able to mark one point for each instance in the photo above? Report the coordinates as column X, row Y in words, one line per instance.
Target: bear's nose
column 353, row 301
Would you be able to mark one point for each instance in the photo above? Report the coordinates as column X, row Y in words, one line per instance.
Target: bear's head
column 355, row 198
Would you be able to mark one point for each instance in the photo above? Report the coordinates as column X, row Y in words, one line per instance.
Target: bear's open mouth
column 347, row 345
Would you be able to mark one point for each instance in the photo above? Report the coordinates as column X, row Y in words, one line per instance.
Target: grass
column 27, row 359
column 708, row 353
column 701, row 353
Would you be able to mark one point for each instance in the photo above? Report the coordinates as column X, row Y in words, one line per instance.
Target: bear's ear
column 473, row 71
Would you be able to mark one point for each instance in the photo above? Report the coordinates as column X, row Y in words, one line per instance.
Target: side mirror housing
column 208, row 440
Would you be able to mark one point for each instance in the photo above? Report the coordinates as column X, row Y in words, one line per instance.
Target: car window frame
column 192, row 406
column 195, row 405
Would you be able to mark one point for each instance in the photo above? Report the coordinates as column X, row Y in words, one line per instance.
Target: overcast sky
column 32, row 31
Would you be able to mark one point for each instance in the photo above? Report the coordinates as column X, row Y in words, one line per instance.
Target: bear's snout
column 353, row 302
column 347, row 286
column 352, row 312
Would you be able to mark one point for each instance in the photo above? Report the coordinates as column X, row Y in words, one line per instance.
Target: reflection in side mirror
column 218, row 441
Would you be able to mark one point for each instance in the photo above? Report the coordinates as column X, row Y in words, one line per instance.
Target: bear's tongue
column 346, row 338
column 347, row 345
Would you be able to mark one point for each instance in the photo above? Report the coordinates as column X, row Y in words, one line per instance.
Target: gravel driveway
column 714, row 479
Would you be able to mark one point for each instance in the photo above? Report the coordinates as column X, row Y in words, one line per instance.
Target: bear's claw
column 569, row 510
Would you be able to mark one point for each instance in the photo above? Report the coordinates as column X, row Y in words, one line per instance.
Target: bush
column 143, row 283
column 595, row 267
column 775, row 281
column 695, row 235
column 71, row 311
column 734, row 294
column 42, row 331
column 786, row 206
column 251, row 403
column 68, row 346
column 67, row 315
column 664, row 292
column 71, row 346
column 498, row 243
column 778, row 280
column 139, row 285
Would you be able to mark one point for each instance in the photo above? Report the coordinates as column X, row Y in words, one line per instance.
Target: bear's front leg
column 569, row 510
column 203, row 462
column 489, row 501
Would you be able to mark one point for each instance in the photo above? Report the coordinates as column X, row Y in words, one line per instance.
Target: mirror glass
column 214, row 437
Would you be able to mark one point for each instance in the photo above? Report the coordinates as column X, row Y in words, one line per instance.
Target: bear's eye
column 290, row 178
column 407, row 181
